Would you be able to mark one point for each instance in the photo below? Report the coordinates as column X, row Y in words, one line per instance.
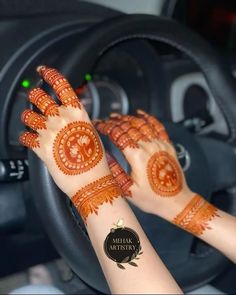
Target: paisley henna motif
column 43, row 102
column 29, row 140
column 61, row 86
column 88, row 199
column 164, row 174
column 122, row 178
column 77, row 148
column 196, row 215
column 33, row 120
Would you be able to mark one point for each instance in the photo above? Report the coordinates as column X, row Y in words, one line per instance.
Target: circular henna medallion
column 77, row 148
column 164, row 174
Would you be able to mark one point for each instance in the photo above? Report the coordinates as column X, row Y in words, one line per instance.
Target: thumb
column 122, row 178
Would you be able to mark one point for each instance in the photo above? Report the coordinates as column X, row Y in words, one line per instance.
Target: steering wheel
column 212, row 162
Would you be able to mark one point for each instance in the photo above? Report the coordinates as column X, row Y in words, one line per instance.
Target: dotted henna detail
column 196, row 216
column 29, row 139
column 77, row 148
column 164, row 174
column 33, row 120
column 124, row 180
column 88, row 199
column 61, row 86
column 43, row 102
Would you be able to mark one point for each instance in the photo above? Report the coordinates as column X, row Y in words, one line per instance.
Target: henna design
column 43, row 102
column 132, row 132
column 120, row 138
column 196, row 215
column 77, row 148
column 61, row 86
column 29, row 139
column 164, row 174
column 142, row 126
column 88, row 199
column 122, row 178
column 157, row 125
column 33, row 120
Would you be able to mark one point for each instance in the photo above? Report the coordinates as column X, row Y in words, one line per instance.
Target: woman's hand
column 69, row 145
column 157, row 184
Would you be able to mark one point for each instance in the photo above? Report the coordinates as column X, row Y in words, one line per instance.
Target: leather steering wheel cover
column 56, row 216
column 111, row 32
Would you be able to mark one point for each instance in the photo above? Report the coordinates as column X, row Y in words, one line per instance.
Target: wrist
column 173, row 206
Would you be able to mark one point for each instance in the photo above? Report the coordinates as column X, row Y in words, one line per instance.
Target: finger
column 118, row 136
column 29, row 139
column 154, row 123
column 62, row 87
column 33, row 120
column 122, row 178
column 146, row 132
column 43, row 102
column 132, row 131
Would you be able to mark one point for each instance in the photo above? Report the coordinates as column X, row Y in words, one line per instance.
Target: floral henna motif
column 88, row 199
column 33, row 120
column 124, row 181
column 43, row 102
column 77, row 148
column 196, row 215
column 61, row 86
column 164, row 174
column 29, row 139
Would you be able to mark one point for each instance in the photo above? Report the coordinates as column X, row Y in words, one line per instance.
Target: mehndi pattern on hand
column 77, row 148
column 164, row 175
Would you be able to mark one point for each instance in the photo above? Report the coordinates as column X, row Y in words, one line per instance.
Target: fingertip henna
column 43, row 102
column 63, row 89
column 196, row 216
column 164, row 174
column 33, row 120
column 29, row 140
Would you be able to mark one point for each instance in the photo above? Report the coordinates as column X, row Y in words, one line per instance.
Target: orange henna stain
column 88, row 199
column 196, row 215
column 61, row 86
column 124, row 181
column 29, row 139
column 77, row 148
column 164, row 174
column 33, row 120
column 43, row 102
column 133, row 132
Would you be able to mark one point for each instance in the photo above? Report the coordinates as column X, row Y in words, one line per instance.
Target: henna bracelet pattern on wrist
column 164, row 174
column 88, row 199
column 196, row 215
column 77, row 148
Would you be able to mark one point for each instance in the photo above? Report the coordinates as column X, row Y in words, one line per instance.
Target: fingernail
column 139, row 111
column 40, row 68
column 115, row 115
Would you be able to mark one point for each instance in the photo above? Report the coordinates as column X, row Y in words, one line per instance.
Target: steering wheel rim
column 51, row 205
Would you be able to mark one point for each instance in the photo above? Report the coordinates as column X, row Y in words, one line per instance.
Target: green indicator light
column 25, row 83
column 88, row 77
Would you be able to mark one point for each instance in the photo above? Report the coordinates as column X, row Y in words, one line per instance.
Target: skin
column 83, row 186
column 180, row 205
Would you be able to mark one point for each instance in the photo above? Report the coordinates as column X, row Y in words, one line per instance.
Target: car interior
column 174, row 59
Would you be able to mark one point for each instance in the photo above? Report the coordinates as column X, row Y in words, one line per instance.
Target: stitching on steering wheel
column 190, row 53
